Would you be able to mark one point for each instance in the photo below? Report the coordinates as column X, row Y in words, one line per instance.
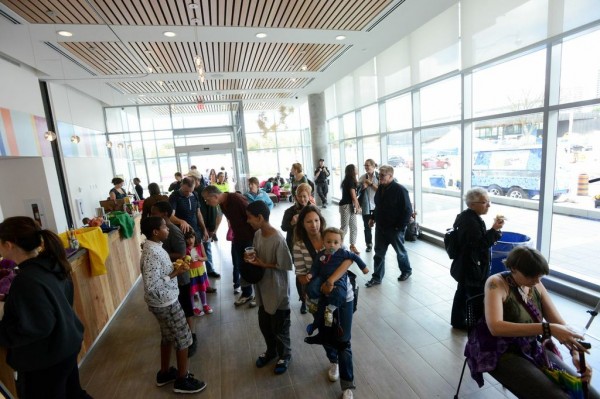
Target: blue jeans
column 344, row 357
column 337, row 297
column 384, row 238
column 209, row 260
column 237, row 257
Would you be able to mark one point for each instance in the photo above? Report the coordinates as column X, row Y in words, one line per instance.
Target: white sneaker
column 237, row 290
column 334, row 372
column 347, row 394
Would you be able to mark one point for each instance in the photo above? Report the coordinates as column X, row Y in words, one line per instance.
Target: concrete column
column 318, row 131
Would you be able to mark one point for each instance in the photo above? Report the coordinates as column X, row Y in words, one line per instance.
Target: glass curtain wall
column 519, row 117
column 142, row 142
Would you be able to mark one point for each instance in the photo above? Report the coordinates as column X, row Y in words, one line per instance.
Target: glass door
column 206, row 161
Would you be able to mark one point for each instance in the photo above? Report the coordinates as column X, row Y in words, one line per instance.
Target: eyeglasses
column 481, row 202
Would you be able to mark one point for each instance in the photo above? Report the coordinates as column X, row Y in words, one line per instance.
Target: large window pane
column 371, row 150
column 399, row 151
column 122, row 119
column 508, row 164
column 370, row 120
column 334, row 130
column 168, row 167
column 349, row 122
column 289, row 138
column 263, row 164
column 337, row 171
column 511, row 86
column 155, row 117
column 440, row 170
column 398, row 113
column 441, row 102
column 256, row 141
column 575, row 214
column 350, row 155
column 580, row 69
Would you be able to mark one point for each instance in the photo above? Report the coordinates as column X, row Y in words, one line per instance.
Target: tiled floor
column 401, row 339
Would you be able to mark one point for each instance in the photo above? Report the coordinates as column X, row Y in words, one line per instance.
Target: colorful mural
column 22, row 135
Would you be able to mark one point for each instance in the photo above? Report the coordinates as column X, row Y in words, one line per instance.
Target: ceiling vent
column 384, row 16
column 334, row 59
column 7, row 16
column 73, row 60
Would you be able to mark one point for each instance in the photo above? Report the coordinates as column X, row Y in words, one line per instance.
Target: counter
column 97, row 298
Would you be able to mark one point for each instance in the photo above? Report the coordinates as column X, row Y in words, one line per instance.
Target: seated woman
column 117, row 191
column 519, row 310
column 257, row 194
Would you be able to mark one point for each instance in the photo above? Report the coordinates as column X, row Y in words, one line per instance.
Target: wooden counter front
column 96, row 297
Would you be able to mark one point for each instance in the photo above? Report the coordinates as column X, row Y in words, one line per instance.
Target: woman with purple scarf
column 513, row 342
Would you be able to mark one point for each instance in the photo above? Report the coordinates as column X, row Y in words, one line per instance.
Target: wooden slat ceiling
column 300, row 14
column 172, row 57
column 176, row 57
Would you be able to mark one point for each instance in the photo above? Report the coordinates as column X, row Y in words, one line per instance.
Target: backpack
column 413, row 231
column 451, row 240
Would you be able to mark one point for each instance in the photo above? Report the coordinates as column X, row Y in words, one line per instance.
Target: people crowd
column 183, row 225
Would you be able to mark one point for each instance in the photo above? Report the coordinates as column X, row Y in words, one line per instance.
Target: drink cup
column 250, row 253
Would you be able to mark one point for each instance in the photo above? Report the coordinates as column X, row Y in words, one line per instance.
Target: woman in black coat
column 40, row 330
column 472, row 264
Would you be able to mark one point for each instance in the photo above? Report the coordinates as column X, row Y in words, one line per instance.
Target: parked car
column 396, row 161
column 436, row 163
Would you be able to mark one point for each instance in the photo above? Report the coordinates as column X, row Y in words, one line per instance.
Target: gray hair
column 475, row 194
column 386, row 169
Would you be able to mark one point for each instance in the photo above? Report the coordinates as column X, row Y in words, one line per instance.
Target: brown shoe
column 211, row 290
column 353, row 249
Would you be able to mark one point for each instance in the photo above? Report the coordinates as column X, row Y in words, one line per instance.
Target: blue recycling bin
column 501, row 249
column 437, row 181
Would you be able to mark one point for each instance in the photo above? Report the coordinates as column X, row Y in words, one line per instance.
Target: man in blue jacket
column 391, row 216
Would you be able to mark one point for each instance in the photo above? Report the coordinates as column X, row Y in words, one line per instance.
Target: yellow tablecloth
column 96, row 242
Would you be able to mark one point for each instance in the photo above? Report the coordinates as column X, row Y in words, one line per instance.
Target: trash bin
column 437, row 181
column 501, row 249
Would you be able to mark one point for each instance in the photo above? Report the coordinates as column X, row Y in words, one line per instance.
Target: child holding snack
column 160, row 294
column 198, row 275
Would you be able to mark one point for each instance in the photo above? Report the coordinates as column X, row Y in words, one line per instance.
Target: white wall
column 20, row 89
column 89, row 180
column 76, row 108
column 31, row 179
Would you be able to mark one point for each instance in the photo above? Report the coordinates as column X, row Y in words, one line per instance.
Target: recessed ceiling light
column 51, row 13
column 193, row 93
column 141, row 95
column 261, row 35
column 293, row 79
column 64, row 33
column 193, row 6
column 170, row 34
column 160, row 83
column 148, row 52
column 304, row 67
column 195, row 20
column 340, row 37
column 149, row 68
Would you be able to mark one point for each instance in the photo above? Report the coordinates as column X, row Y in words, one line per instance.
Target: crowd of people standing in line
column 512, row 342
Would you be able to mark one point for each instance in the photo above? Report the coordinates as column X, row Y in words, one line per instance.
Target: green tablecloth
column 123, row 219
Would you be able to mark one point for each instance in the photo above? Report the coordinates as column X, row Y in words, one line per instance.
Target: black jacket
column 475, row 242
column 39, row 327
column 286, row 224
column 392, row 207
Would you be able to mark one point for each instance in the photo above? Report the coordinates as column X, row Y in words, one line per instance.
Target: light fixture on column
column 75, row 139
column 50, row 135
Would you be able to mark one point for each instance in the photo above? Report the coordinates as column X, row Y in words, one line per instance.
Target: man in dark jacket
column 472, row 264
column 391, row 216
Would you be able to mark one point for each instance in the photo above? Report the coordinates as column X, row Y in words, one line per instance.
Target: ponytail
column 53, row 248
